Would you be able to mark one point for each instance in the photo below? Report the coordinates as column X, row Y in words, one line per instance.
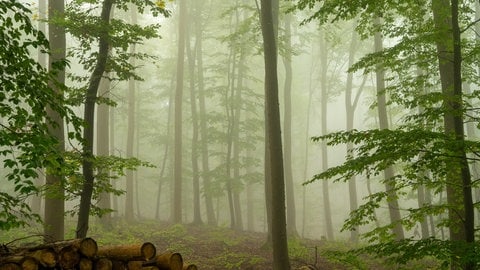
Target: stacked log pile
column 84, row 254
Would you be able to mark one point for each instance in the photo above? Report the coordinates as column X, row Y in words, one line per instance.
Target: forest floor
column 217, row 248
column 212, row 248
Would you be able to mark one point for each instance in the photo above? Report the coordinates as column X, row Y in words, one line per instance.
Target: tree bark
column 177, row 173
column 89, row 115
column 324, row 110
column 459, row 190
column 191, row 56
column 350, row 107
column 279, row 232
column 54, row 201
column 211, row 220
column 287, row 129
column 129, row 191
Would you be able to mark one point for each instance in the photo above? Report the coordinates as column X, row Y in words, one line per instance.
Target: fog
column 232, row 51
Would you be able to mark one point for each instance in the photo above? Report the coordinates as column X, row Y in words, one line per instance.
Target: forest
column 329, row 134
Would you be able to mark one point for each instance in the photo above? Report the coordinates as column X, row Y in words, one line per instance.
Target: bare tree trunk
column 279, row 231
column 287, row 129
column 350, row 107
column 177, row 173
column 129, row 191
column 324, row 104
column 191, row 56
column 393, row 207
column 54, row 203
column 211, row 220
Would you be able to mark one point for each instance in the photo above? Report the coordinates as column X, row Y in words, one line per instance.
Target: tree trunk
column 392, row 201
column 177, row 173
column 129, row 191
column 287, row 129
column 350, row 107
column 230, row 113
column 54, row 203
column 191, row 55
column 203, row 117
column 324, row 105
column 278, row 223
column 459, row 190
column 89, row 115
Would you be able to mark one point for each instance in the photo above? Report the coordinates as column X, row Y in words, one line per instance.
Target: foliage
column 25, row 143
column 107, row 168
column 419, row 150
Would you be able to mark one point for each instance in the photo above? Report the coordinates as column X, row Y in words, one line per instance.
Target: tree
column 389, row 174
column 458, row 178
column 428, row 147
column 88, row 116
column 177, row 173
column 278, row 219
column 129, row 212
column 27, row 144
column 323, row 123
column 287, row 129
column 113, row 36
column 54, row 200
column 203, row 115
column 191, row 56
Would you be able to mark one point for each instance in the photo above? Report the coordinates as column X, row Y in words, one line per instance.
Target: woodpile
column 85, row 254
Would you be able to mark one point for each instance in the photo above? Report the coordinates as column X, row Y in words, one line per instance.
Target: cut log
column 25, row 262
column 106, row 264
column 85, row 264
column 86, row 246
column 84, row 254
column 145, row 251
column 29, row 263
column 46, row 257
column 68, row 257
column 167, row 261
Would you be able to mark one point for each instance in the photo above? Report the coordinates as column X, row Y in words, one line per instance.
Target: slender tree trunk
column 230, row 113
column 459, row 190
column 54, row 203
column 324, row 105
column 350, row 106
column 191, row 55
column 392, row 201
column 177, row 173
column 287, row 129
column 129, row 191
column 307, row 143
column 89, row 115
column 279, row 231
column 238, row 101
column 211, row 220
